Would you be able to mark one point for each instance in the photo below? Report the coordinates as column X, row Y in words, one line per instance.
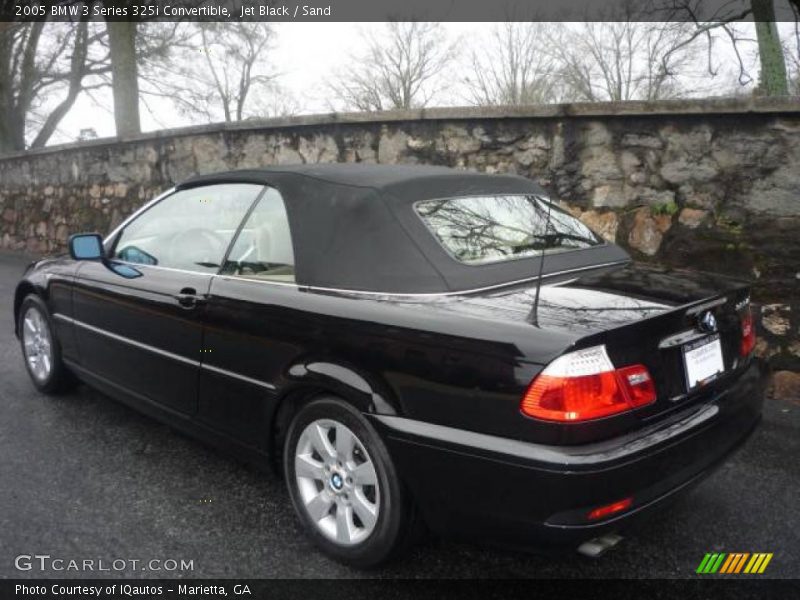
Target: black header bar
column 386, row 10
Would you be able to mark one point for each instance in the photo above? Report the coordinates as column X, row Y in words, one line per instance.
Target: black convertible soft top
column 354, row 227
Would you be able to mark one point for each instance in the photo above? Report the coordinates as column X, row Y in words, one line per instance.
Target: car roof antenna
column 534, row 314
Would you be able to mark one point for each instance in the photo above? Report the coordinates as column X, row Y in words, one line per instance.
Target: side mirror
column 86, row 246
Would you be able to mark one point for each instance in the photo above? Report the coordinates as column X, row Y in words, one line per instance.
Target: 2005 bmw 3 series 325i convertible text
column 411, row 346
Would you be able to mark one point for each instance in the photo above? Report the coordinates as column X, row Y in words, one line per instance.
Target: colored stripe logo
column 734, row 563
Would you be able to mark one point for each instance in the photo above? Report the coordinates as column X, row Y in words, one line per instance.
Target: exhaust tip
column 598, row 546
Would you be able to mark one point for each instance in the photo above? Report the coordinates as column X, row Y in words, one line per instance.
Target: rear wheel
column 343, row 484
column 41, row 349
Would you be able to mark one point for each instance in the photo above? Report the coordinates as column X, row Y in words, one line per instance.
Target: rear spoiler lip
column 689, row 308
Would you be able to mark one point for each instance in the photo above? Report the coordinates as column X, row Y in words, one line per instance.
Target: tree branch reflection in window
column 485, row 229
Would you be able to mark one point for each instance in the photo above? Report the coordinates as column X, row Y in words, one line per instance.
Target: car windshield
column 485, row 229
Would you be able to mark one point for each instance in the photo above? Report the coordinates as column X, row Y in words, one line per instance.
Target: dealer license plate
column 703, row 361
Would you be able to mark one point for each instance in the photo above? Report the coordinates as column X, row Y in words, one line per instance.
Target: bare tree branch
column 396, row 71
column 37, row 60
column 77, row 73
column 512, row 68
column 217, row 70
column 619, row 60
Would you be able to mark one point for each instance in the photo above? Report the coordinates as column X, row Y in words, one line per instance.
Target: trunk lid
column 643, row 314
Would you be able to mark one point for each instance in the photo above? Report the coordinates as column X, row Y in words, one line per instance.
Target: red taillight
column 602, row 512
column 748, row 333
column 638, row 385
column 585, row 385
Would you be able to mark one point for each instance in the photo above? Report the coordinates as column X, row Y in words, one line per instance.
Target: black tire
column 393, row 530
column 59, row 379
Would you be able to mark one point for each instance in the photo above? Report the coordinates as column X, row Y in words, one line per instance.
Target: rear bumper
column 473, row 485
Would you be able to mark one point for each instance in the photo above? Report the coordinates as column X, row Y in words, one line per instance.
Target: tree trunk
column 124, row 76
column 773, row 68
column 6, row 96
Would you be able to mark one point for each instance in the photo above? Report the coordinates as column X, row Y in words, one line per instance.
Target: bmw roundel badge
column 707, row 322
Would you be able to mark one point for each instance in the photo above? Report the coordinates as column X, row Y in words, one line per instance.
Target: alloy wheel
column 337, row 482
column 37, row 343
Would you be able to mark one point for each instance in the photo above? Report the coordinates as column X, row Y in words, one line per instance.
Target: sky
column 305, row 54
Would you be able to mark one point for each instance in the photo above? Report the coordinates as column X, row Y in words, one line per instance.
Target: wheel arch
column 311, row 379
column 24, row 288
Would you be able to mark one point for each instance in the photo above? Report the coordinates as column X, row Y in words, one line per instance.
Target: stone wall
column 705, row 184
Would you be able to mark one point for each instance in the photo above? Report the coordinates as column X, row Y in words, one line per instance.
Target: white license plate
column 703, row 361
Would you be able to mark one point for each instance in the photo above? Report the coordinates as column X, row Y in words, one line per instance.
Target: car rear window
column 485, row 229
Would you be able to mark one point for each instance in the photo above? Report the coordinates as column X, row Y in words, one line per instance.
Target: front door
column 143, row 332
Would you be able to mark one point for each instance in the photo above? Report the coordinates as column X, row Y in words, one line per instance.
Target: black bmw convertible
column 412, row 347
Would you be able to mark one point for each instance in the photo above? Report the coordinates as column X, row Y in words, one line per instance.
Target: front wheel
column 41, row 349
column 343, row 484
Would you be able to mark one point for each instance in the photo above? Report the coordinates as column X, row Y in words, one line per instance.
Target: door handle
column 188, row 298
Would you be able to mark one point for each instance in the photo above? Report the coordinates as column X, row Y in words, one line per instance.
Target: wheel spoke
column 305, row 466
column 36, row 366
column 29, row 324
column 364, row 474
column 366, row 511
column 319, row 506
column 344, row 524
column 345, row 442
column 45, row 363
column 37, row 318
column 321, row 443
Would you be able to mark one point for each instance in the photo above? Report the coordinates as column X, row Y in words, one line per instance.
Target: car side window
column 264, row 246
column 189, row 230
